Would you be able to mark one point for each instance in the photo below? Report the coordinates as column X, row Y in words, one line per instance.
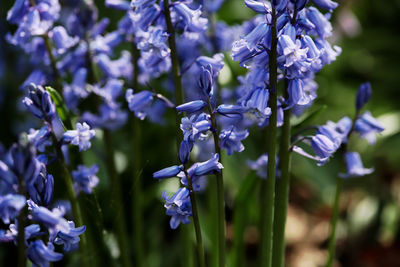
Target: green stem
column 117, row 197
column 196, row 223
column 137, row 212
column 282, row 192
column 332, row 237
column 53, row 64
column 76, row 209
column 268, row 185
column 178, row 88
column 220, row 191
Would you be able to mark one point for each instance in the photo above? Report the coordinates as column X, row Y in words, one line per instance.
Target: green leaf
column 61, row 108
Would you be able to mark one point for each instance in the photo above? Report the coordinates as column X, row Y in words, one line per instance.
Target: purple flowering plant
column 114, row 99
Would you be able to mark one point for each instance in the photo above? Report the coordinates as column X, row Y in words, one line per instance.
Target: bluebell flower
column 367, row 126
column 77, row 89
column 36, row 77
column 10, row 206
column 118, row 68
column 178, row 207
column 39, row 103
column 41, row 255
column 55, row 223
column 261, row 166
column 118, row 4
column 191, row 19
column 110, row 117
column 327, row 4
column 40, row 138
column 212, row 5
column 257, row 35
column 146, row 15
column 194, row 127
column 293, row 57
column 206, row 79
column 85, row 179
column 24, row 163
column 139, row 102
column 279, row 4
column 300, row 4
column 69, row 237
column 355, row 167
column 328, row 53
column 216, row 62
column 184, row 151
column 363, row 95
column 62, row 41
column 226, row 110
column 336, row 132
column 257, row 104
column 324, row 147
column 168, row 172
column 231, row 139
column 106, row 44
column 240, row 52
column 80, row 137
column 11, row 234
column 261, row 7
column 322, row 25
column 18, row 11
column 191, row 107
column 41, row 190
column 210, row 166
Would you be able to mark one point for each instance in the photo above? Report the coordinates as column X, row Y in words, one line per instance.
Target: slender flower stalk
column 117, row 194
column 179, row 99
column 282, row 184
column 196, row 223
column 335, row 216
column 76, row 209
column 268, row 185
column 220, row 191
column 137, row 217
column 336, row 202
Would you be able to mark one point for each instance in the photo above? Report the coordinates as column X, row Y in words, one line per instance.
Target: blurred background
column 368, row 233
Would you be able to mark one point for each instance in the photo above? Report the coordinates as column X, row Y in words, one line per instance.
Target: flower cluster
column 25, row 197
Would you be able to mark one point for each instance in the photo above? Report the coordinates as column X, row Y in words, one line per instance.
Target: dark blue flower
column 363, row 95
column 231, row 139
column 80, row 137
column 41, row 255
column 191, row 107
column 168, row 172
column 69, row 237
column 355, row 167
column 194, row 127
column 41, row 190
column 258, row 6
column 85, row 179
column 178, row 207
column 40, row 138
column 39, row 103
column 324, row 147
column 139, row 102
column 62, row 41
column 210, row 166
column 24, row 163
column 327, row 4
column 10, row 206
column 367, row 126
column 184, row 151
